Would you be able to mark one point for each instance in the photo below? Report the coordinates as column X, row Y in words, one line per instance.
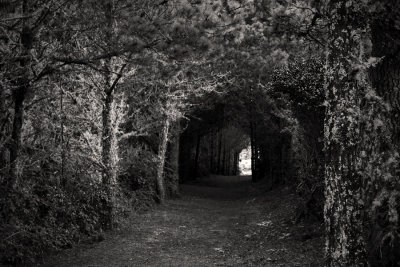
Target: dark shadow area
column 218, row 187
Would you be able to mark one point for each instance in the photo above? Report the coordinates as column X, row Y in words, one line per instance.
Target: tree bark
column 161, row 160
column 343, row 212
column 19, row 93
column 224, row 159
column 108, row 157
column 219, row 151
column 174, row 163
column 253, row 153
column 212, row 152
column 108, row 142
column 229, row 163
column 271, row 165
column 236, row 164
column 16, row 133
column 382, row 143
column 62, row 178
column 3, row 131
column 196, row 158
column 108, row 138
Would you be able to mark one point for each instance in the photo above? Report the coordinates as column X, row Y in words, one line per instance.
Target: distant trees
column 176, row 97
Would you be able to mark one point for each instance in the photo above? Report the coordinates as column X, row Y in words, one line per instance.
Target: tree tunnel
column 214, row 137
column 280, row 124
column 106, row 106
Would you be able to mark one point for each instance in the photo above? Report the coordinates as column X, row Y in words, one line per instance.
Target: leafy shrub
column 300, row 85
column 46, row 217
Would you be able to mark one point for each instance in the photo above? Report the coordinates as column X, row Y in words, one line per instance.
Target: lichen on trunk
column 344, row 206
column 162, row 149
column 109, row 150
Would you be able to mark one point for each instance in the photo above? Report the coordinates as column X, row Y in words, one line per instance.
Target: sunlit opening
column 245, row 161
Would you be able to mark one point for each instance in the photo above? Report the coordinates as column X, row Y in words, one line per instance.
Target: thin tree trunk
column 196, row 158
column 253, row 153
column 63, row 181
column 161, row 160
column 229, row 163
column 271, row 174
column 174, row 163
column 19, row 93
column 108, row 142
column 224, row 159
column 16, row 142
column 283, row 163
column 219, row 152
column 3, row 131
column 108, row 157
column 234, row 170
column 108, row 138
column 237, row 163
column 212, row 152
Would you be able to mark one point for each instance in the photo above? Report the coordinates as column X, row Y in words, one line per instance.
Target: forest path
column 219, row 221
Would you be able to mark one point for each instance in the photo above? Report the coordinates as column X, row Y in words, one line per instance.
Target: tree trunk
column 196, row 158
column 237, row 163
column 3, row 131
column 229, row 162
column 109, row 146
column 19, row 93
column 173, row 184
column 212, row 152
column 16, row 133
column 343, row 212
column 271, row 166
column 224, row 160
column 382, row 144
column 108, row 142
column 63, row 180
column 219, row 151
column 161, row 160
column 282, row 163
column 253, row 153
column 108, row 138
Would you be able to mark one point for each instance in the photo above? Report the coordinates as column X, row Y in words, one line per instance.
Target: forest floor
column 218, row 221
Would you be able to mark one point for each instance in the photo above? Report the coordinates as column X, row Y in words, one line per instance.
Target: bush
column 48, row 218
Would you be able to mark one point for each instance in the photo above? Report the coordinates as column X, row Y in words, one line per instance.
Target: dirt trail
column 219, row 221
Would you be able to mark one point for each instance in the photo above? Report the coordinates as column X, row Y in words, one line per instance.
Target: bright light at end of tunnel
column 245, row 161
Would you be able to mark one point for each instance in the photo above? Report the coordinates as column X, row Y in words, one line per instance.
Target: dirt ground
column 219, row 221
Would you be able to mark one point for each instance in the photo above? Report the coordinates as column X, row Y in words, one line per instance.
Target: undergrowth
column 44, row 217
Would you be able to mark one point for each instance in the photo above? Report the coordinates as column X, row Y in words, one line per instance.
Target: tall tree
column 381, row 153
column 26, row 49
column 359, row 137
column 343, row 183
